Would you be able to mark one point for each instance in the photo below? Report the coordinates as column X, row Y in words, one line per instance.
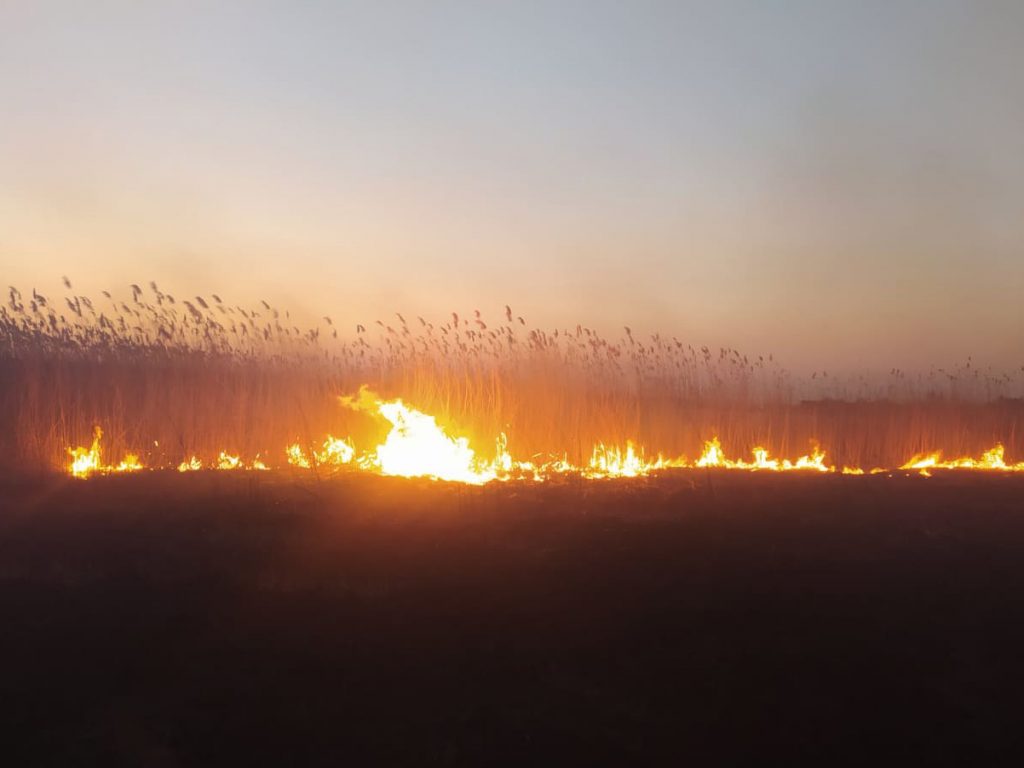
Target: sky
column 838, row 183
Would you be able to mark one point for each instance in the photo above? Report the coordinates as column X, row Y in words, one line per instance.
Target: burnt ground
column 209, row 619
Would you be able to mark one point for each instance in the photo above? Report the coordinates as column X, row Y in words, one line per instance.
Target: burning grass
column 203, row 384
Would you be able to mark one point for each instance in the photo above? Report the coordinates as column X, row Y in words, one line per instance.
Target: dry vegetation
column 170, row 378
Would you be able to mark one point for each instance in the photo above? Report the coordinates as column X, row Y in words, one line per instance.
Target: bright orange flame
column 712, row 456
column 992, row 459
column 335, row 451
column 130, row 463
column 227, row 461
column 296, row 457
column 815, row 461
column 416, row 446
column 191, row 465
column 612, row 461
column 85, row 461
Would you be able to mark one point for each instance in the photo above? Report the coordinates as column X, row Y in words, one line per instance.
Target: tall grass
column 171, row 378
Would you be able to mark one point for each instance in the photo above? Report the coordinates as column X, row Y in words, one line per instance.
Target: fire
column 714, row 457
column 296, row 457
column 417, row 446
column 502, row 458
column 761, row 460
column 993, row 459
column 335, row 452
column 191, row 465
column 130, row 463
column 227, row 461
column 86, row 461
column 815, row 461
column 614, row 462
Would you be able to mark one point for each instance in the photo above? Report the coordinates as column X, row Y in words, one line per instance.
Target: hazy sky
column 840, row 183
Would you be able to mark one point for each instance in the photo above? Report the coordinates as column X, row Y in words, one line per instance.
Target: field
column 170, row 381
column 256, row 618
column 224, row 540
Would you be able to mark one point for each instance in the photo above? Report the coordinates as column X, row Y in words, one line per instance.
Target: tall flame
column 416, row 446
column 86, row 461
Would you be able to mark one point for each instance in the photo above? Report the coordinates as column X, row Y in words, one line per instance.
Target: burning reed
column 172, row 380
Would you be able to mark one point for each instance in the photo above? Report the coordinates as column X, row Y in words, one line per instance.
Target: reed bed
column 169, row 378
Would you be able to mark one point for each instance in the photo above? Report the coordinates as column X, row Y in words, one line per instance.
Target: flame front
column 994, row 459
column 417, row 446
column 714, row 458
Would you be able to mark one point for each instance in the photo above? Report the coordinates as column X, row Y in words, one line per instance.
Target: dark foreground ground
column 216, row 619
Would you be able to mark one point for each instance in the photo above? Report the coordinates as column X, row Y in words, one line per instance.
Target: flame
column 191, row 465
column 712, row 456
column 502, row 458
column 85, row 461
column 130, row 463
column 227, row 461
column 335, row 451
column 992, row 459
column 417, row 446
column 815, row 461
column 613, row 462
column 296, row 457
column 761, row 460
